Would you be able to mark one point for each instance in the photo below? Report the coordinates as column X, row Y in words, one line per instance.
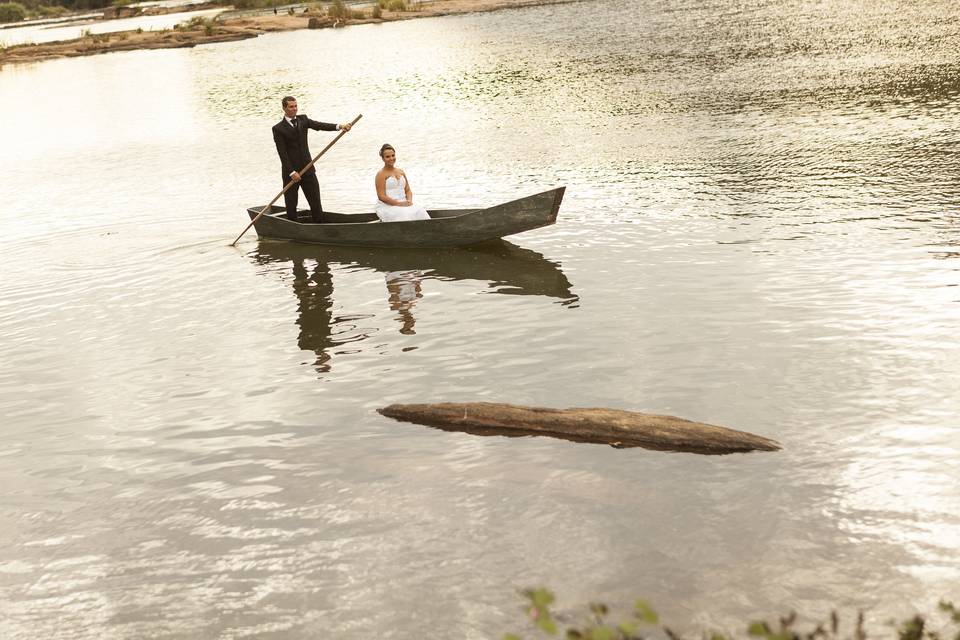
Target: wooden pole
column 293, row 182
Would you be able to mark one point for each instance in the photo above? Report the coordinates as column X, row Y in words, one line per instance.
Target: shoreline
column 239, row 28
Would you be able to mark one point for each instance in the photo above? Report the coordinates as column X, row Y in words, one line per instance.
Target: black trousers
column 311, row 189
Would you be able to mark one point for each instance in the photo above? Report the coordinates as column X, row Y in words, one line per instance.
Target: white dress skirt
column 397, row 190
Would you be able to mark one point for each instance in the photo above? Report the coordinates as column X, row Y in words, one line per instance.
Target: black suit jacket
column 292, row 142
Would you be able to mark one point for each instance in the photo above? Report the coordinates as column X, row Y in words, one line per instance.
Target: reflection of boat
column 445, row 228
column 505, row 267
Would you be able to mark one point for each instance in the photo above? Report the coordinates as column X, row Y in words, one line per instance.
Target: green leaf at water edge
column 627, row 628
column 911, row 629
column 759, row 629
column 645, row 613
column 949, row 607
column 603, row 633
column 540, row 597
column 512, row 636
column 548, row 625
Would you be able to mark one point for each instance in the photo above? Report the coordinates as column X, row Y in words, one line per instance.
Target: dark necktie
column 293, row 123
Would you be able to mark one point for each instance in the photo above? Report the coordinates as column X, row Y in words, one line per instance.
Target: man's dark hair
column 287, row 99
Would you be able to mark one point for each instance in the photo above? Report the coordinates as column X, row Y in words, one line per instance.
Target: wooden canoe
column 445, row 228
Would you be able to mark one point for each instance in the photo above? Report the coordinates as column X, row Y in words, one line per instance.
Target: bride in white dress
column 394, row 197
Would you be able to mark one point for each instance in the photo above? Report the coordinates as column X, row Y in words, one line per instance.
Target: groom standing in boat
column 290, row 136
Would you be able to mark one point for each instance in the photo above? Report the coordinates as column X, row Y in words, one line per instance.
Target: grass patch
column 96, row 38
column 341, row 11
column 392, row 5
column 249, row 4
column 197, row 23
column 44, row 11
column 12, row 12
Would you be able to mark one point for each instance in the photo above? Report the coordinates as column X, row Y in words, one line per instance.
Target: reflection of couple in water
column 315, row 310
column 314, row 292
column 403, row 288
column 501, row 268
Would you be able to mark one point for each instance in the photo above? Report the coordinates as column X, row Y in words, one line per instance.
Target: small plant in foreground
column 641, row 625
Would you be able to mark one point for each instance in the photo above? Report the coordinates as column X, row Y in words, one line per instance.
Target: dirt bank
column 227, row 30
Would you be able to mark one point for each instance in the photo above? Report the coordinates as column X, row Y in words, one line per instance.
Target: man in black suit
column 290, row 135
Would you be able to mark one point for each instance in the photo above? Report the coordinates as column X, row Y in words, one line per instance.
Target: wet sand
column 228, row 30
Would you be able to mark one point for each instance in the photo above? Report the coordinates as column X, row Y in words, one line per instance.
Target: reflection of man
column 404, row 289
column 290, row 136
column 315, row 296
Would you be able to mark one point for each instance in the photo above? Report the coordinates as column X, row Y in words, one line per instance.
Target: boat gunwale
column 280, row 213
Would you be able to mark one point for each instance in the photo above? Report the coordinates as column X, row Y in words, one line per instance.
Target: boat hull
column 445, row 228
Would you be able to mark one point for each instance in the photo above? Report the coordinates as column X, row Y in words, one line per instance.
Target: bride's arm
column 406, row 188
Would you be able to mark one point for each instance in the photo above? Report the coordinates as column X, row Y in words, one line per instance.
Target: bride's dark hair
column 385, row 147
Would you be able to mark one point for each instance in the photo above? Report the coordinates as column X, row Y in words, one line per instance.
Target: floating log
column 603, row 426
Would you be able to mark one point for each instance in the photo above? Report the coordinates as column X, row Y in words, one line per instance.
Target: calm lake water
column 761, row 230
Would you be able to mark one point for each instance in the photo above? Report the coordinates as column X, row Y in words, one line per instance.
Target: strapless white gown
column 396, row 190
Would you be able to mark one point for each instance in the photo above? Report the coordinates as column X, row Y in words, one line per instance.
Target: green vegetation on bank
column 23, row 9
column 198, row 23
column 334, row 9
column 12, row 12
column 251, row 4
column 393, row 5
column 644, row 623
column 97, row 38
column 341, row 11
column 19, row 10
